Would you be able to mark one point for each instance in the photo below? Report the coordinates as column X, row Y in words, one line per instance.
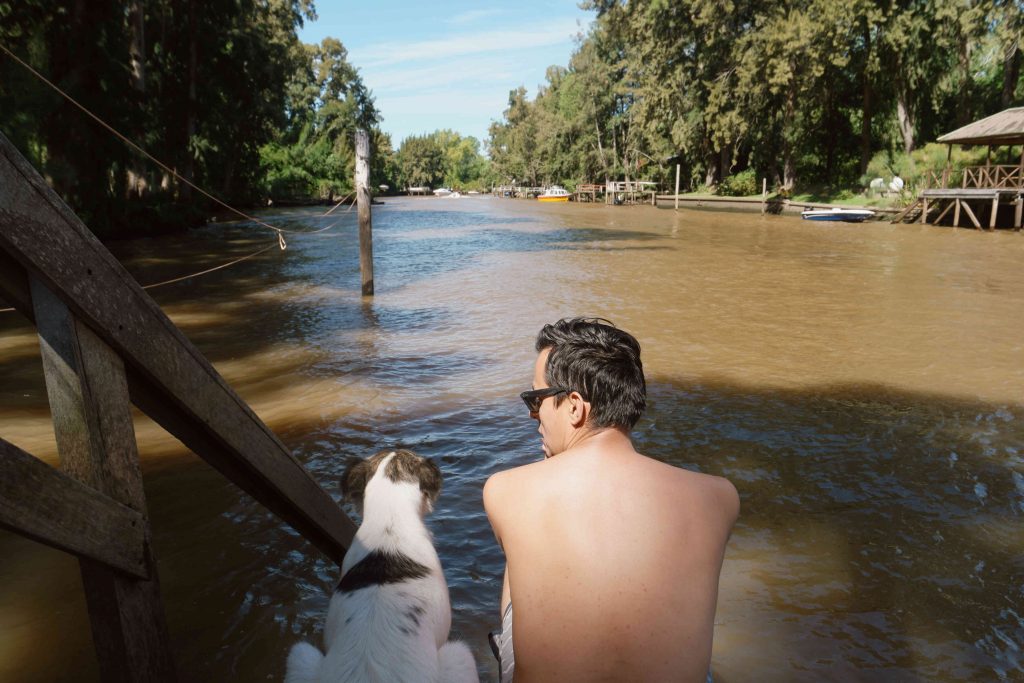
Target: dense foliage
column 442, row 159
column 807, row 91
column 222, row 91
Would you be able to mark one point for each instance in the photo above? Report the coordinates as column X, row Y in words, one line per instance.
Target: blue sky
column 449, row 64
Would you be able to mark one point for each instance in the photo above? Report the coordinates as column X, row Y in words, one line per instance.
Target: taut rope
column 279, row 231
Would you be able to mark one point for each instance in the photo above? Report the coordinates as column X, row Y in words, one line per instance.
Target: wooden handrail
column 104, row 342
column 46, row 505
column 1001, row 176
column 169, row 379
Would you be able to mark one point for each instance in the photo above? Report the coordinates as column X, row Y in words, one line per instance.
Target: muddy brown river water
column 861, row 385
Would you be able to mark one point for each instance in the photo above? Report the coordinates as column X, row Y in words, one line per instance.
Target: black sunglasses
column 534, row 398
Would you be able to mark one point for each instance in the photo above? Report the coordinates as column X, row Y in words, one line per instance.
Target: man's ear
column 579, row 410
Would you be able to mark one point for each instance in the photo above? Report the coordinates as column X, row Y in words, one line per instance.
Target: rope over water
column 281, row 243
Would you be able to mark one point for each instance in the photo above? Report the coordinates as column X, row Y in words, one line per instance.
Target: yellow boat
column 554, row 194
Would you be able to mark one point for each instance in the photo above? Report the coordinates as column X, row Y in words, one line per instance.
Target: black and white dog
column 389, row 616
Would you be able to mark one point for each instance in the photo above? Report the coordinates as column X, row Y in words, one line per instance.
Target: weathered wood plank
column 48, row 506
column 88, row 395
column 970, row 214
column 943, row 214
column 47, row 239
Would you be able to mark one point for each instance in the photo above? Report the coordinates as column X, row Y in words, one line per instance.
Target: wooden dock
column 516, row 191
column 612, row 192
column 934, row 205
column 982, row 189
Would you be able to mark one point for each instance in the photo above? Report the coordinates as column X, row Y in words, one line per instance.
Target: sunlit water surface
column 860, row 385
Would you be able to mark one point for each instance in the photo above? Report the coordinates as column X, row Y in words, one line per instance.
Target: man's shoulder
column 718, row 493
column 511, row 481
column 706, row 490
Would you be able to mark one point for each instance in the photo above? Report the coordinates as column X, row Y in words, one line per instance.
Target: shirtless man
column 612, row 558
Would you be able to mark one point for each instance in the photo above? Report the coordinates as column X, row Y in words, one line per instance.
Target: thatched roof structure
column 1004, row 128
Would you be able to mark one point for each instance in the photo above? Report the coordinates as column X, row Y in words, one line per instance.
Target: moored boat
column 837, row 214
column 554, row 194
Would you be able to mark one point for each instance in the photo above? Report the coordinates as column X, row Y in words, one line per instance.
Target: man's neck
column 604, row 440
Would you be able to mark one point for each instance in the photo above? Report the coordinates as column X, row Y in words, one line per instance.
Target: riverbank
column 773, row 204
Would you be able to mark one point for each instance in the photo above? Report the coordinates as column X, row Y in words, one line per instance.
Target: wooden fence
column 1003, row 177
column 105, row 343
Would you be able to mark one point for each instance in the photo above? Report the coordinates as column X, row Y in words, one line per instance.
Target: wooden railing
column 105, row 343
column 947, row 177
column 1008, row 177
column 631, row 186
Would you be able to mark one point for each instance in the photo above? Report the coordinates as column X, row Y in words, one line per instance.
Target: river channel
column 861, row 385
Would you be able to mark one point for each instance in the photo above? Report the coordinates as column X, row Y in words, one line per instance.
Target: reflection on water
column 860, row 384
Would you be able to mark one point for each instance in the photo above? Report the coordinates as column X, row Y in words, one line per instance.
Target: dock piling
column 677, row 187
column 363, row 200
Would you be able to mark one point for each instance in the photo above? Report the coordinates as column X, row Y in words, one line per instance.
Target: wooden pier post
column 1018, row 205
column 363, row 200
column 677, row 187
column 764, row 194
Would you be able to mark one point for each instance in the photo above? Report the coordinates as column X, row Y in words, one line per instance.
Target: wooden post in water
column 764, row 194
column 363, row 200
column 677, row 187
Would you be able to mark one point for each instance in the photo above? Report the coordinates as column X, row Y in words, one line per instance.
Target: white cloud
column 473, row 16
column 383, row 54
column 462, row 71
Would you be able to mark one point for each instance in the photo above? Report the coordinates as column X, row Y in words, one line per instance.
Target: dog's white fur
column 389, row 632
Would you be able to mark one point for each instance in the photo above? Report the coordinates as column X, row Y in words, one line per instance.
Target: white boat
column 453, row 195
column 554, row 194
column 837, row 214
column 442, row 192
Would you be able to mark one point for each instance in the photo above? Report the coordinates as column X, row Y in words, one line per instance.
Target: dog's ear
column 353, row 482
column 430, row 481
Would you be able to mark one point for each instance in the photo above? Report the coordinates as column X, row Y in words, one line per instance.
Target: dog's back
column 390, row 615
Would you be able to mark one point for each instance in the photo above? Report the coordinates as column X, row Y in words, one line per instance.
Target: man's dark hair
column 599, row 361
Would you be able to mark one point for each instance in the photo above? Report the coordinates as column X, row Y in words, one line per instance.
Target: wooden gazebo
column 988, row 186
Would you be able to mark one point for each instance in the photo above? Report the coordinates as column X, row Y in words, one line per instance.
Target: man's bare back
column 613, row 558
column 618, row 564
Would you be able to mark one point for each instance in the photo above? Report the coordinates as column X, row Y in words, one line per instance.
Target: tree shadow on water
column 883, row 526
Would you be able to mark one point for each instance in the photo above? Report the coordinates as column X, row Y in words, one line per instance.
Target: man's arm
column 492, row 505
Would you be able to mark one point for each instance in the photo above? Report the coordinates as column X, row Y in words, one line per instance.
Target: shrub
column 914, row 168
column 739, row 184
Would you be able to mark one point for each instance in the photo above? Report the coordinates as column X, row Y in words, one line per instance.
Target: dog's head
column 396, row 467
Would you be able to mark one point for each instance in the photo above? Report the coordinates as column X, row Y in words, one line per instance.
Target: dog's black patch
column 380, row 567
